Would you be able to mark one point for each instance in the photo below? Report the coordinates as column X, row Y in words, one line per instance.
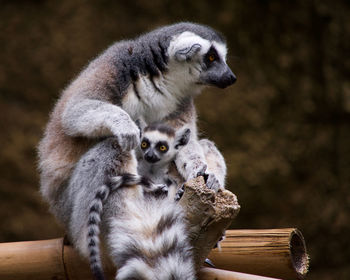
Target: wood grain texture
column 271, row 252
column 39, row 260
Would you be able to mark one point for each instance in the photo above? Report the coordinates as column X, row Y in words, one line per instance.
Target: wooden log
column 209, row 214
column 269, row 252
column 275, row 252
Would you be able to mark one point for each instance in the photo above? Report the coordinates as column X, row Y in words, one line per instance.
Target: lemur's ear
column 186, row 54
column 182, row 138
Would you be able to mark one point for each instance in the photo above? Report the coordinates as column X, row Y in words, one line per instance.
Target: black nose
column 233, row 78
column 150, row 157
column 227, row 79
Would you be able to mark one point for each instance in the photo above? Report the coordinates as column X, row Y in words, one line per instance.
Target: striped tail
column 94, row 218
column 153, row 242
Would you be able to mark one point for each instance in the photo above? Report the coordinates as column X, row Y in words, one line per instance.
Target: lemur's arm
column 190, row 160
column 94, row 118
column 202, row 158
column 198, row 156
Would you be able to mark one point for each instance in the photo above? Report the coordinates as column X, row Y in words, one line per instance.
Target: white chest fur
column 150, row 100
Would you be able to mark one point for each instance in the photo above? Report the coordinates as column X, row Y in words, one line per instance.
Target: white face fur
column 195, row 65
column 158, row 146
column 188, row 39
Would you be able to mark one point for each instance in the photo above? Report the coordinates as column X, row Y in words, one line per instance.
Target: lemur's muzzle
column 151, row 157
column 227, row 78
column 219, row 75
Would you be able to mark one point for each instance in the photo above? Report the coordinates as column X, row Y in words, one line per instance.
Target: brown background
column 284, row 128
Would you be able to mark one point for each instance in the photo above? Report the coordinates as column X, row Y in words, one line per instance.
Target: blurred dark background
column 284, row 127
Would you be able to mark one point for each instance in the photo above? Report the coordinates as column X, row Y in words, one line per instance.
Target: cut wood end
column 226, row 204
column 223, row 203
column 299, row 256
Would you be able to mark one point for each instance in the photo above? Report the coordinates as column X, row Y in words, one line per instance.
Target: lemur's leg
column 216, row 164
column 93, row 119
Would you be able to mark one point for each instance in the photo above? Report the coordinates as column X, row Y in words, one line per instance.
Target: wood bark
column 209, row 214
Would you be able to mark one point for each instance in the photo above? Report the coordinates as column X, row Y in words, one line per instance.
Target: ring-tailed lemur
column 142, row 232
column 154, row 77
column 159, row 147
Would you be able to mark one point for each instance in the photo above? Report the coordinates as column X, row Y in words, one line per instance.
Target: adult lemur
column 153, row 77
column 146, row 236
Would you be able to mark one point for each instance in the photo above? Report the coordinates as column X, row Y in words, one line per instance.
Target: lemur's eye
column 211, row 58
column 163, row 148
column 144, row 144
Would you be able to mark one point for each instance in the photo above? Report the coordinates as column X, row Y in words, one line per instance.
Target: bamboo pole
column 269, row 252
column 39, row 260
column 275, row 253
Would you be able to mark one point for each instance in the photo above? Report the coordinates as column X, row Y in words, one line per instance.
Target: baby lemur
column 159, row 146
column 141, row 223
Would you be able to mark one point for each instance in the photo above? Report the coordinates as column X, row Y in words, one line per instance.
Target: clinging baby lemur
column 153, row 77
column 146, row 236
column 159, row 147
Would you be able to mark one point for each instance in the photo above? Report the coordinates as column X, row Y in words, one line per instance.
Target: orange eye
column 211, row 58
column 162, row 148
column 144, row 145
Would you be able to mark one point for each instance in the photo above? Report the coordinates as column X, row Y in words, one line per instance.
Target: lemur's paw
column 128, row 141
column 199, row 171
column 179, row 193
column 160, row 190
column 209, row 262
column 212, row 182
column 129, row 137
column 218, row 244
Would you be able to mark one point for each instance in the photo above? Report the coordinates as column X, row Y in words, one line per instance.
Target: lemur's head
column 189, row 55
column 203, row 58
column 160, row 143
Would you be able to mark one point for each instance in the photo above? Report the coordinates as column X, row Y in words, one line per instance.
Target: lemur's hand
column 199, row 170
column 210, row 179
column 130, row 138
column 158, row 190
column 212, row 182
